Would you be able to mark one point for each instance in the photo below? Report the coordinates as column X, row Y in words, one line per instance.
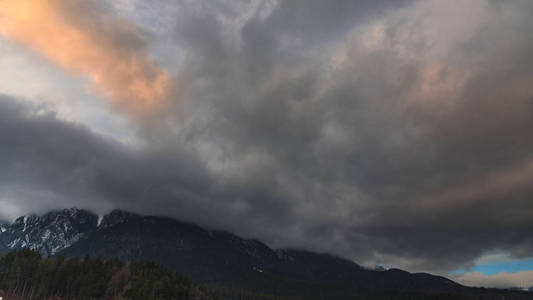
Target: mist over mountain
column 213, row 257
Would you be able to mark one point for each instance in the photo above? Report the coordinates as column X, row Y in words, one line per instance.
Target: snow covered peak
column 49, row 233
column 57, row 230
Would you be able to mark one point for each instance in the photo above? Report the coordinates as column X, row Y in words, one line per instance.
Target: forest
column 24, row 274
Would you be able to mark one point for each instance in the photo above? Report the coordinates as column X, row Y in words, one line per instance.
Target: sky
column 389, row 132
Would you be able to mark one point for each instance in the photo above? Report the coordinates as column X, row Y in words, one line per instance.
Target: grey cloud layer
column 350, row 128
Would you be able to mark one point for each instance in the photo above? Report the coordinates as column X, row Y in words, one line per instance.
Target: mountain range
column 220, row 258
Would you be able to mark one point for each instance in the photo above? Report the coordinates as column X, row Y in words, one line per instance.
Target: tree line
column 24, row 274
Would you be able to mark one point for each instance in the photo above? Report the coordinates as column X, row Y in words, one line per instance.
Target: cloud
column 399, row 137
column 85, row 38
column 523, row 279
column 50, row 163
column 388, row 141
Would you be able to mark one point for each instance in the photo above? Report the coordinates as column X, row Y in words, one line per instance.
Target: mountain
column 221, row 257
column 218, row 258
column 50, row 233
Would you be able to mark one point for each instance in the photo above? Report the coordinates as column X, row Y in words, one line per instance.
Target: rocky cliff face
column 50, row 233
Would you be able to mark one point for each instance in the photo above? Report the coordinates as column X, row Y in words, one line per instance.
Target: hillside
column 223, row 261
column 25, row 275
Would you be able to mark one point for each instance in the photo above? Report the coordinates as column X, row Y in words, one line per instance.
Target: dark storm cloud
column 395, row 153
column 382, row 132
column 49, row 163
column 317, row 21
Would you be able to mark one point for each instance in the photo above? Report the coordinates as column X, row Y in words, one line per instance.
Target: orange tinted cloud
column 438, row 83
column 84, row 38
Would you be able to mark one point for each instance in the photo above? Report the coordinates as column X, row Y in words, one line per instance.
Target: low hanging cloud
column 84, row 38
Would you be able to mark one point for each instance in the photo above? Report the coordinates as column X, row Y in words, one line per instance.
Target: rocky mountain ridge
column 211, row 256
column 50, row 233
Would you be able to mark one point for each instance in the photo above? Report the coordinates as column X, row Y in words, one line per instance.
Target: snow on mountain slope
column 50, row 233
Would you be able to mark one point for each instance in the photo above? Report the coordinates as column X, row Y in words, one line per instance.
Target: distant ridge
column 221, row 258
